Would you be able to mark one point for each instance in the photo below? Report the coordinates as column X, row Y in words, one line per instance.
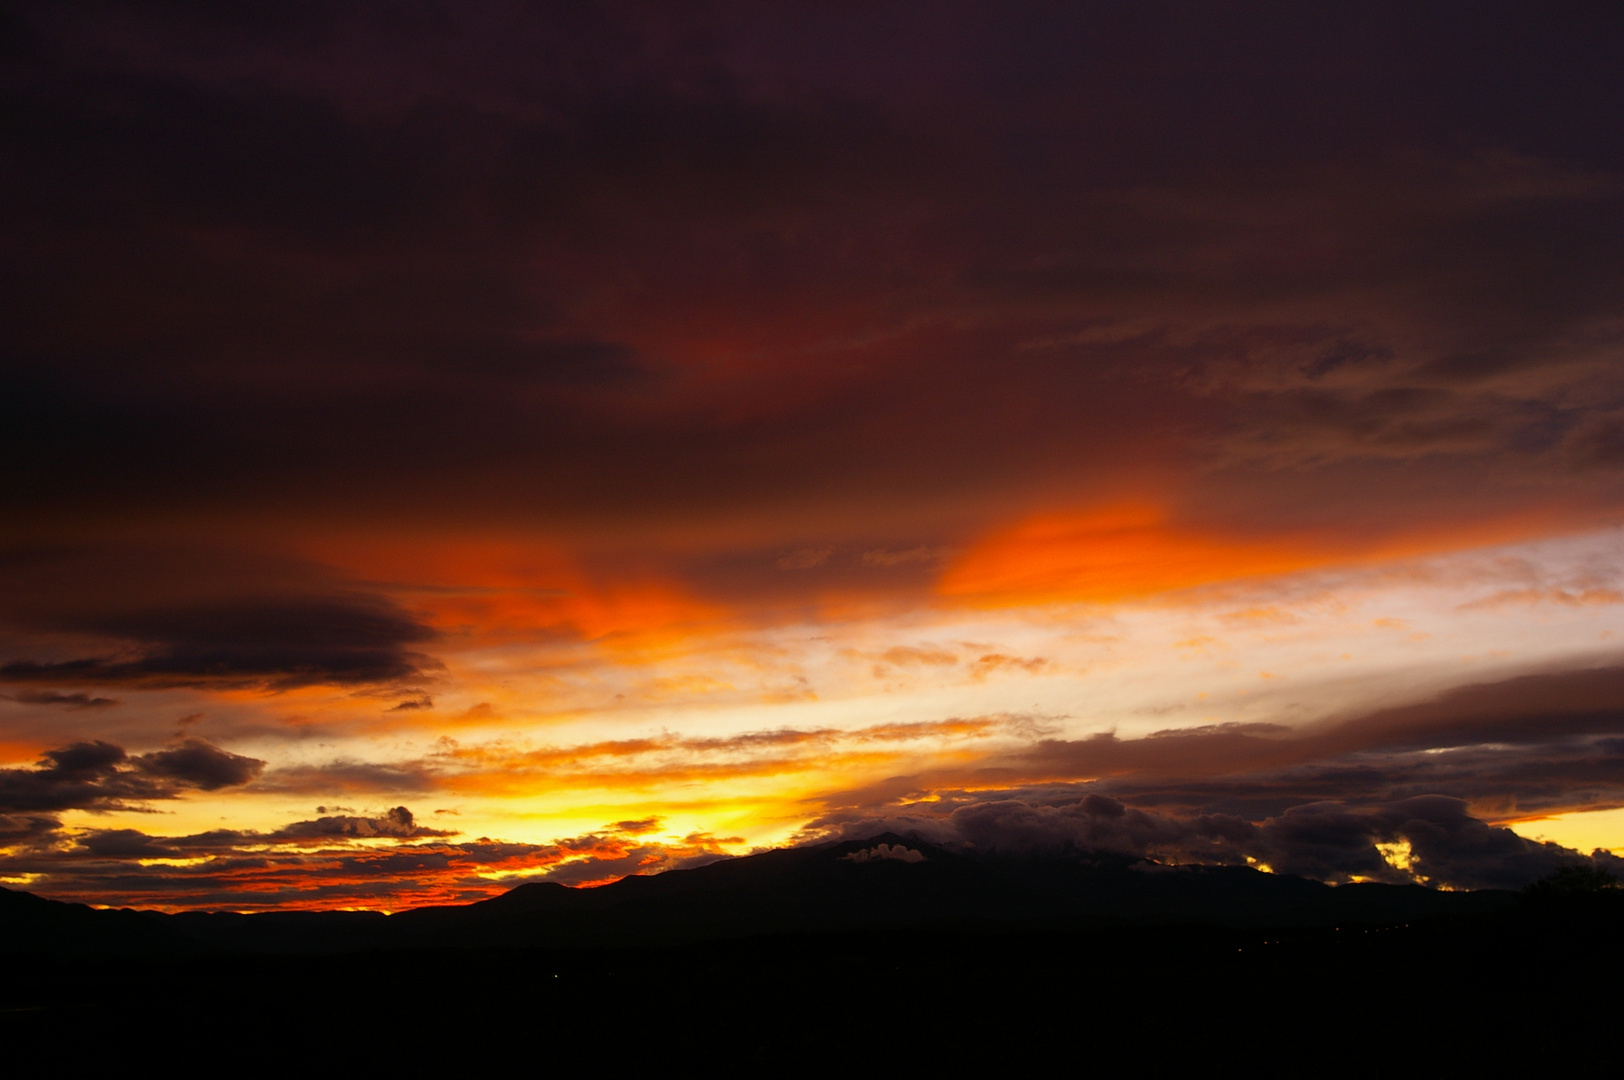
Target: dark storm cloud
column 196, row 614
column 1535, row 744
column 80, row 776
column 351, row 262
column 395, row 824
column 54, row 697
column 1429, row 838
column 18, row 829
column 1314, row 801
column 278, row 644
column 356, row 777
column 127, row 844
column 1446, row 844
column 1096, row 823
column 440, row 345
column 100, row 776
column 198, row 764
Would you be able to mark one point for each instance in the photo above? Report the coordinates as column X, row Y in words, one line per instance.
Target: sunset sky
column 450, row 445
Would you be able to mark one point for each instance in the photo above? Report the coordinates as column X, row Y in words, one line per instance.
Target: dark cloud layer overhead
column 277, row 644
column 66, row 701
column 641, row 261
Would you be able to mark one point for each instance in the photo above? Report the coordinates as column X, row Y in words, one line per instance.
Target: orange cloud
column 792, row 761
column 1103, row 556
column 1592, row 597
column 248, row 876
column 995, row 662
column 493, row 591
column 1133, row 551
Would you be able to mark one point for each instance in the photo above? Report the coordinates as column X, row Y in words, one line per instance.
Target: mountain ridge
column 886, row 881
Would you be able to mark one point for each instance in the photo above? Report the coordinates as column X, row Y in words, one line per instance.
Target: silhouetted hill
column 884, row 951
column 883, row 882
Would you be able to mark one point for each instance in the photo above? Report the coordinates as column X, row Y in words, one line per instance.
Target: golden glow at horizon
column 663, row 707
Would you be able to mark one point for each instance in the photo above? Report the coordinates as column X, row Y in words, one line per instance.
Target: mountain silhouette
column 883, row 882
column 886, row 950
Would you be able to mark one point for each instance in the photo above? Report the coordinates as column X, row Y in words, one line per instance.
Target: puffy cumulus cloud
column 1430, row 839
column 127, row 844
column 101, row 776
column 200, row 764
column 397, row 823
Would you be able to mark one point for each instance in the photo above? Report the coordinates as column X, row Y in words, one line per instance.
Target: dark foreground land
column 810, row 961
